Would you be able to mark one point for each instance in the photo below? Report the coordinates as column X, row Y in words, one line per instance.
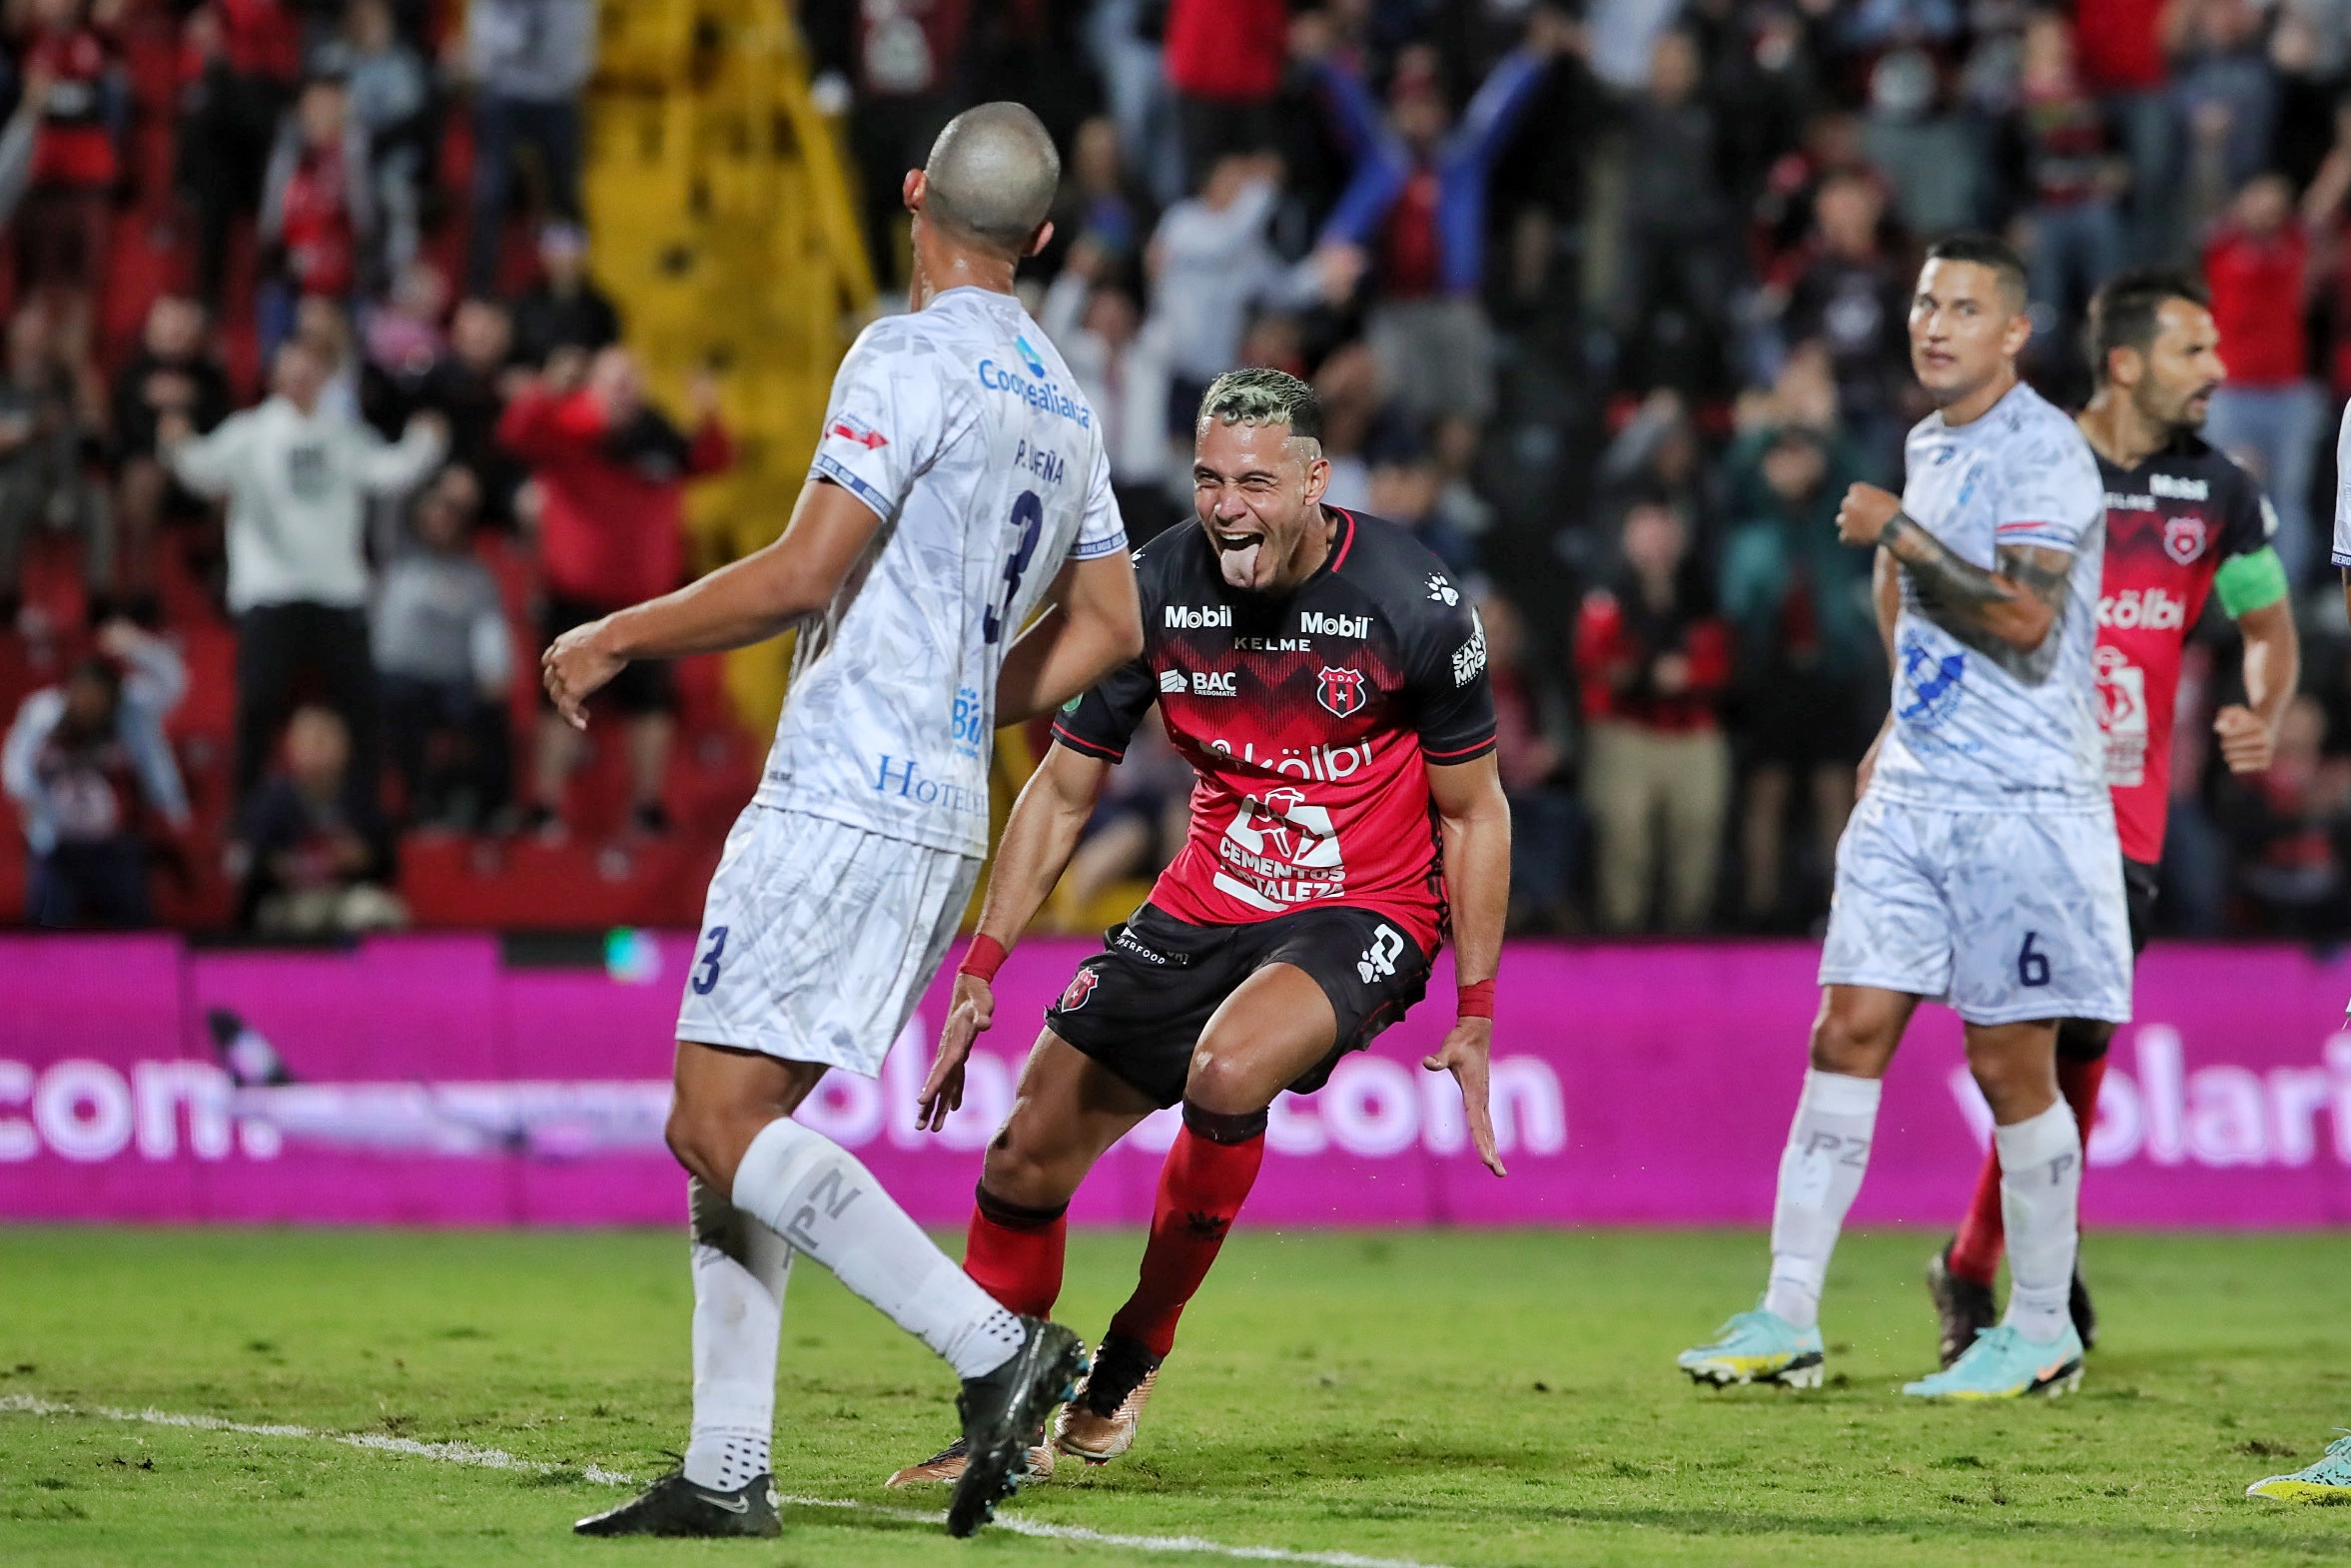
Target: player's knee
column 1854, row 1046
column 1220, row 1082
column 1017, row 1169
column 706, row 1143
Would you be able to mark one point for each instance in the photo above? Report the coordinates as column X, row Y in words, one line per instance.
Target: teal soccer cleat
column 2004, row 1365
column 1758, row 1347
column 2328, row 1481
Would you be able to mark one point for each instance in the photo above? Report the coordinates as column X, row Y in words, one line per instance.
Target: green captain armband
column 2252, row 581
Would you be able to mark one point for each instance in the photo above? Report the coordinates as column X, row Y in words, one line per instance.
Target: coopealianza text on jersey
column 1045, row 397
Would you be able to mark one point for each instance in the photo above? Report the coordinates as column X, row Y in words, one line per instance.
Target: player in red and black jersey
column 2183, row 523
column 1327, row 682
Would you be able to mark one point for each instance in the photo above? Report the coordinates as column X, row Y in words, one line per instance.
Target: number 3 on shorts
column 2032, row 964
column 708, row 965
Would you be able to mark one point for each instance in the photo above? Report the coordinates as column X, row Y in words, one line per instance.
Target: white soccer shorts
column 2006, row 914
column 818, row 939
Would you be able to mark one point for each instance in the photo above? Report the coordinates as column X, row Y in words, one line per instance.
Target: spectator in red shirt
column 242, row 59
column 609, row 472
column 61, row 231
column 2268, row 414
column 317, row 208
column 1225, row 60
column 1653, row 660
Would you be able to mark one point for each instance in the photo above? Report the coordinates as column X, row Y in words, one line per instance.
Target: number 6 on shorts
column 2032, row 964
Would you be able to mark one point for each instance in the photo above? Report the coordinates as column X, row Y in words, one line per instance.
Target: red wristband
column 985, row 957
column 1476, row 1000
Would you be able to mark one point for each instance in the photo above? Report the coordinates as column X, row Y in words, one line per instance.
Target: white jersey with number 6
column 964, row 432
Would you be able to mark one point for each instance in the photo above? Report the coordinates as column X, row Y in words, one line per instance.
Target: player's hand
column 1863, row 514
column 2246, row 744
column 969, row 1013
column 574, row 667
column 1467, row 1054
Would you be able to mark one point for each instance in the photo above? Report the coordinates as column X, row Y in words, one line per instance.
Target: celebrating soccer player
column 1327, row 680
column 1981, row 867
column 2183, row 522
column 957, row 471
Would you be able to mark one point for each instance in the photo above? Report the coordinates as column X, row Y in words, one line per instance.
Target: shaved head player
column 960, row 486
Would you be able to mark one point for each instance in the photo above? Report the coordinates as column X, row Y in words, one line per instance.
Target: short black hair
column 2123, row 312
column 1984, row 250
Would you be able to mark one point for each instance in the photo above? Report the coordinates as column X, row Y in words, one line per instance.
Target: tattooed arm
column 2007, row 614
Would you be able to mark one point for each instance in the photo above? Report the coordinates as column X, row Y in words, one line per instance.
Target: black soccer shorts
column 1140, row 1006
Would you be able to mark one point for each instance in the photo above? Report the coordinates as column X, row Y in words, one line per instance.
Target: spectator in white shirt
column 296, row 477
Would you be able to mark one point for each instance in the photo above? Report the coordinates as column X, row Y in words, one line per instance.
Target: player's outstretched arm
column 1039, row 840
column 1094, row 625
column 2007, row 614
column 741, row 603
column 1476, row 818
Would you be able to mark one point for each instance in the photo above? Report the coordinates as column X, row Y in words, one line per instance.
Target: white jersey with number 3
column 964, row 432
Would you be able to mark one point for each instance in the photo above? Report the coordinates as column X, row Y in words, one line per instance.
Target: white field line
column 499, row 1459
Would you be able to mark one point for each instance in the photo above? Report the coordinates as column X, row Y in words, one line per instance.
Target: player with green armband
column 2184, row 522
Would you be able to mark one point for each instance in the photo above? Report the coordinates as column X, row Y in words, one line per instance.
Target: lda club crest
column 2183, row 537
column 1342, row 691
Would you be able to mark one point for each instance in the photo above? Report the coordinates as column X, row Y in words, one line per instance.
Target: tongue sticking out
column 1240, row 563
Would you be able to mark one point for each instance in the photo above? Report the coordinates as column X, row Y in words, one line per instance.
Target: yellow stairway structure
column 721, row 222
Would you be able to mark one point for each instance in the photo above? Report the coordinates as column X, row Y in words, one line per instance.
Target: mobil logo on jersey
column 1931, row 683
column 2143, row 609
column 1278, row 851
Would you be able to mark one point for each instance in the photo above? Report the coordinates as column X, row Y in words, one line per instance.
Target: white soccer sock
column 825, row 1202
column 1820, row 1171
column 740, row 1270
column 2041, row 1194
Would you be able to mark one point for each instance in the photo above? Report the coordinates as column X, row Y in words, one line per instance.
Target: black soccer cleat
column 1964, row 1306
column 2085, row 1315
column 675, row 1506
column 1002, row 1413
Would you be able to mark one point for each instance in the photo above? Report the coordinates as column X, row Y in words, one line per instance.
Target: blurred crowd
column 432, row 370
column 1606, row 302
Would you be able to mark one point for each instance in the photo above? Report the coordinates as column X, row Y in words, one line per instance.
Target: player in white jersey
column 960, row 485
column 1981, row 867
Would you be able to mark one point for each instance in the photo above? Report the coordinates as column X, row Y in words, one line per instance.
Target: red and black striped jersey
column 1310, row 718
column 2172, row 524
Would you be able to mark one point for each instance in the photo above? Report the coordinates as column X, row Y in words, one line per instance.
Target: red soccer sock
column 2079, row 1082
column 1015, row 1254
column 1202, row 1187
column 1976, row 1251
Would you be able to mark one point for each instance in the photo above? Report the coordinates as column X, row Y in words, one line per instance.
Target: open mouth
column 1237, row 556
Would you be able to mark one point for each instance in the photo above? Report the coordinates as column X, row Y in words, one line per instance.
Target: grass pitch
column 1456, row 1399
